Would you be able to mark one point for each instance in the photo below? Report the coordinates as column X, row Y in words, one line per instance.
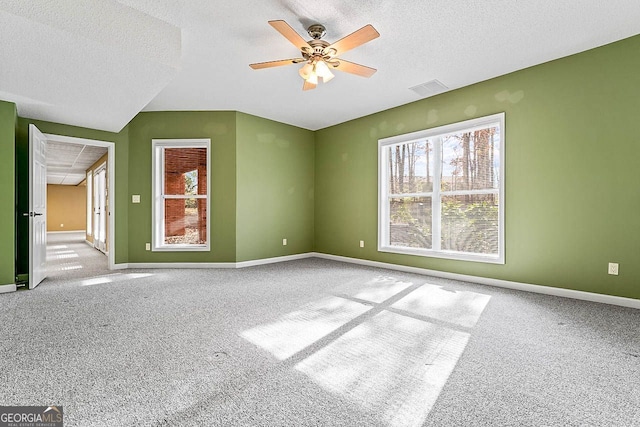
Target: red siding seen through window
column 185, row 174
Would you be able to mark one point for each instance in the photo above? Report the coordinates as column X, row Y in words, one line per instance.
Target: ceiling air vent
column 429, row 88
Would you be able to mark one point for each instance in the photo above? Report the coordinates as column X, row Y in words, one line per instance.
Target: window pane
column 410, row 168
column 470, row 160
column 410, row 222
column 185, row 221
column 470, row 223
column 185, row 171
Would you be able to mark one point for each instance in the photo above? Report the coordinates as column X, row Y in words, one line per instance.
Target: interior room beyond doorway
column 78, row 193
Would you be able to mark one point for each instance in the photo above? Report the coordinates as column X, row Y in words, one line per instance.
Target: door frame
column 100, row 193
column 111, row 179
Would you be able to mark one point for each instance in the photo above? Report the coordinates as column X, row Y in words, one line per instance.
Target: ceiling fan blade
column 355, row 39
column 308, row 86
column 353, row 68
column 279, row 63
column 291, row 34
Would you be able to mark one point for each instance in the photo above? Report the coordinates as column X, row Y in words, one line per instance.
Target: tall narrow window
column 181, row 193
column 441, row 191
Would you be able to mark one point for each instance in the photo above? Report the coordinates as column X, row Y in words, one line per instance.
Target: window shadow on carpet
column 386, row 345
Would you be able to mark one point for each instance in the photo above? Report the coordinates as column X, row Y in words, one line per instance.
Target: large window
column 181, row 194
column 441, row 191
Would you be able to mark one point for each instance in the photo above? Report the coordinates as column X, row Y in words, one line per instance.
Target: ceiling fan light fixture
column 306, row 70
column 313, row 77
column 323, row 71
column 319, row 56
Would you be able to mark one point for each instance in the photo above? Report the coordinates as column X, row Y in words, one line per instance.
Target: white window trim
column 157, row 184
column 383, row 183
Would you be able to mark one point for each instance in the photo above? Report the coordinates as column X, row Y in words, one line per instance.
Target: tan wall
column 66, row 207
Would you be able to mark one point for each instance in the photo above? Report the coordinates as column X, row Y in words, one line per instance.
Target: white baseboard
column 8, row 288
column 119, row 266
column 547, row 290
column 527, row 287
column 242, row 264
column 181, row 265
column 263, row 261
column 66, row 231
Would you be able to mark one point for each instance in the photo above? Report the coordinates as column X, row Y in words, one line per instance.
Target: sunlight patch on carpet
column 457, row 307
column 297, row 330
column 378, row 289
column 54, row 256
column 394, row 361
column 65, row 267
column 392, row 365
column 55, row 247
column 67, row 251
column 112, row 278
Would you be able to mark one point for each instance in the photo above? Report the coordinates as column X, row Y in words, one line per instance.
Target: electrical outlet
column 61, row 225
column 135, row 198
column 613, row 268
column 147, row 246
column 362, row 243
column 284, row 242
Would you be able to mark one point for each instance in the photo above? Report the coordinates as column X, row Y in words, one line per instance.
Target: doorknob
column 26, row 214
column 37, row 214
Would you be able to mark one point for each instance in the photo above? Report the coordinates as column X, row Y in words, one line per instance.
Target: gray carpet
column 315, row 343
column 69, row 256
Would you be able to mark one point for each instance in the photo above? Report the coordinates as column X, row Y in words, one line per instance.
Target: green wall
column 261, row 184
column 8, row 125
column 220, row 126
column 572, row 184
column 275, row 184
column 121, row 175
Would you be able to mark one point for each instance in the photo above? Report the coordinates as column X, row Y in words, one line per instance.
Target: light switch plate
column 135, row 198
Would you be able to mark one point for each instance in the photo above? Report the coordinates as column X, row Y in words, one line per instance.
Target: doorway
column 88, row 249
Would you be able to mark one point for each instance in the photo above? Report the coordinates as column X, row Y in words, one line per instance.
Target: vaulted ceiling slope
column 91, row 63
column 97, row 63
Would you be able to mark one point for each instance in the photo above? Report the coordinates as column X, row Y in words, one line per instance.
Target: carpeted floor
column 315, row 343
column 69, row 256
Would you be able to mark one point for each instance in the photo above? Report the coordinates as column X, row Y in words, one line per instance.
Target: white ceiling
column 99, row 63
column 67, row 163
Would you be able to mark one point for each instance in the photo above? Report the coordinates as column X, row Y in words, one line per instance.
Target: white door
column 37, row 207
column 100, row 208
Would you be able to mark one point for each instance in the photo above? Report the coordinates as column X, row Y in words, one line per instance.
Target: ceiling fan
column 319, row 56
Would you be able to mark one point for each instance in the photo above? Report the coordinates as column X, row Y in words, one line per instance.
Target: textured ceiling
column 92, row 63
column 97, row 63
column 67, row 163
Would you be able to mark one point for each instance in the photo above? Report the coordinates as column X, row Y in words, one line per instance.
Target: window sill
column 458, row 256
column 181, row 248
